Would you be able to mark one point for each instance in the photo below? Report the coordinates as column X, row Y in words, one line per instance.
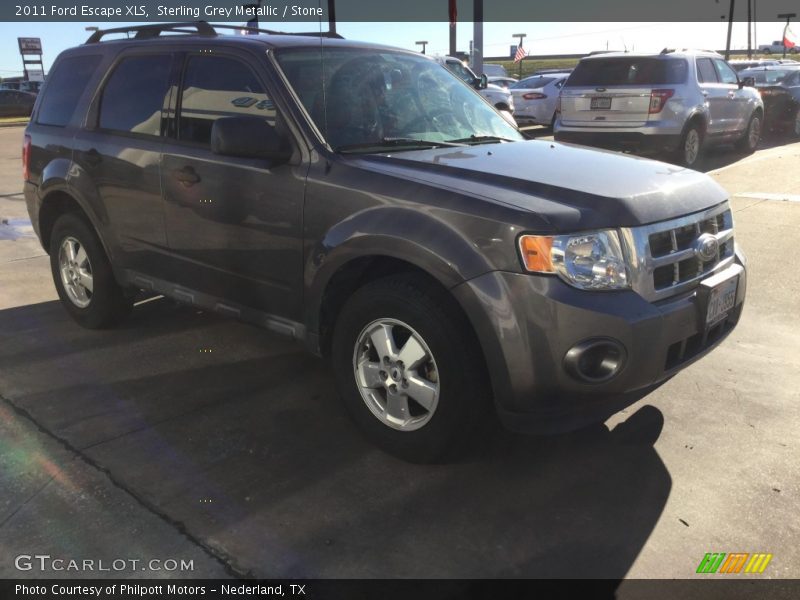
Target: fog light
column 596, row 360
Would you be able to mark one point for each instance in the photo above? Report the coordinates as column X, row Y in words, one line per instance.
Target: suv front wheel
column 82, row 274
column 409, row 369
column 752, row 135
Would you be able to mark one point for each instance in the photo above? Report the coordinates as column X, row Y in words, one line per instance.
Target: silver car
column 676, row 103
column 535, row 98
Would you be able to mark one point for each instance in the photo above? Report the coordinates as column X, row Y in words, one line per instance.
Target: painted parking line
column 769, row 196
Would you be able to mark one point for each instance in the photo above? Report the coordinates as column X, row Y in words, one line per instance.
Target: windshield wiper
column 482, row 139
column 400, row 142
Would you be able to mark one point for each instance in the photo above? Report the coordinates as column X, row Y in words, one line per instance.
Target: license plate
column 600, row 103
column 721, row 300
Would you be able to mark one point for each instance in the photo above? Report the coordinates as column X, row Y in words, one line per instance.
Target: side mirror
column 483, row 82
column 747, row 82
column 249, row 137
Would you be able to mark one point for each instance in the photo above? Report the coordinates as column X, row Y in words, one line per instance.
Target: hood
column 570, row 187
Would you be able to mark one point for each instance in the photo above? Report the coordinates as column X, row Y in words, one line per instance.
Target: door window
column 705, row 71
column 218, row 86
column 135, row 95
column 726, row 73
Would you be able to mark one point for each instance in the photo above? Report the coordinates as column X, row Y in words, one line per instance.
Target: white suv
column 676, row 103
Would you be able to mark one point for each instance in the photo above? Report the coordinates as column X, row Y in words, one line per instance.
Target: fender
column 61, row 175
column 396, row 232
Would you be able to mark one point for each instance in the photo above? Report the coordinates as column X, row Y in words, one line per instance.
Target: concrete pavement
column 244, row 456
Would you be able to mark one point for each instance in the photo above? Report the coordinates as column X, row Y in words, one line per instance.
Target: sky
column 542, row 38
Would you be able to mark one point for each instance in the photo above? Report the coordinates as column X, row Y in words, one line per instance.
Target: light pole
column 730, row 30
column 423, row 44
column 519, row 45
column 786, row 16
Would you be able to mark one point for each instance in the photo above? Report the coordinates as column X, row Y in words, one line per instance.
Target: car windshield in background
column 532, row 82
column 767, row 77
column 629, row 70
column 368, row 100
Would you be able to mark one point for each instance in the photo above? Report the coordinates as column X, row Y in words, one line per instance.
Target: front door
column 234, row 224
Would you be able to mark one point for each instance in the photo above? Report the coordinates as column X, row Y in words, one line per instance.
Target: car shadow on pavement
column 725, row 155
column 248, row 448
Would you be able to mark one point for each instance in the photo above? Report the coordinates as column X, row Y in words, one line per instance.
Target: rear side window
column 65, row 86
column 135, row 94
column 214, row 87
column 629, row 70
column 705, row 71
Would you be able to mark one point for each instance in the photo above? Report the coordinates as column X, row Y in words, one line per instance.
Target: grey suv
column 673, row 103
column 368, row 202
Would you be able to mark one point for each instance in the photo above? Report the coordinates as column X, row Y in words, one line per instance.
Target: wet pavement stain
column 14, row 229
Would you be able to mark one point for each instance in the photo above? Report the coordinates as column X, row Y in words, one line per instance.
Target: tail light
column 658, row 98
column 534, row 96
column 26, row 158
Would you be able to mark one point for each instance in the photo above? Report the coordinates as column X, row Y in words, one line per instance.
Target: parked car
column 672, row 103
column 503, row 82
column 742, row 64
column 776, row 47
column 535, row 98
column 494, row 70
column 16, row 104
column 500, row 97
column 780, row 90
column 384, row 214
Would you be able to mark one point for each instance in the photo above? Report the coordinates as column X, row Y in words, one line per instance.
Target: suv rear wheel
column 83, row 276
column 749, row 141
column 408, row 369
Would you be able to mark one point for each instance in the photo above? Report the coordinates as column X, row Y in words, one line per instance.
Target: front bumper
column 526, row 324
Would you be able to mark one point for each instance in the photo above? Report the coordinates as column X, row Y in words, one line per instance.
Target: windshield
column 626, row 70
column 364, row 98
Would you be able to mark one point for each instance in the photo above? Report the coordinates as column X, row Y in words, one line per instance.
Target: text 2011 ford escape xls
column 376, row 207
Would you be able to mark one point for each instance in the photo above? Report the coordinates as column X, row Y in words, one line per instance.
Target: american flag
column 520, row 53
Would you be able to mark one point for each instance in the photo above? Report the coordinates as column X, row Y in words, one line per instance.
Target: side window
column 135, row 94
column 705, row 71
column 65, row 86
column 726, row 74
column 214, row 87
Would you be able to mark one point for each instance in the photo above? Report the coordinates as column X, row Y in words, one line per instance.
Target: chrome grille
column 665, row 260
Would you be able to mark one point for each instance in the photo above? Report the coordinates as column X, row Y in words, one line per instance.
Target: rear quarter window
column 65, row 87
column 629, row 71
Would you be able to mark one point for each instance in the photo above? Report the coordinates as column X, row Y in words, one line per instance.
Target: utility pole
column 477, row 37
column 755, row 23
column 452, row 10
column 520, row 36
column 423, row 44
column 730, row 30
column 788, row 17
column 749, row 27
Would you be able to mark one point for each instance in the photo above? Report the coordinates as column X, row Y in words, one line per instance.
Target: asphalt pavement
column 186, row 436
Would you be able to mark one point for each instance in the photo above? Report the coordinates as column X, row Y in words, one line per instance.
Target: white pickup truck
column 776, row 47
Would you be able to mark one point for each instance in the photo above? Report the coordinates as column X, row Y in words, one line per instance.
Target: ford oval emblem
column 706, row 247
column 599, row 89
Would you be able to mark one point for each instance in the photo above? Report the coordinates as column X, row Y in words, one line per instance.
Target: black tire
column 794, row 126
column 682, row 154
column 464, row 403
column 749, row 143
column 107, row 302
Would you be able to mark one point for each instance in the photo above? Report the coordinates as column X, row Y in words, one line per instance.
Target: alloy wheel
column 76, row 272
column 396, row 374
column 691, row 147
column 754, row 132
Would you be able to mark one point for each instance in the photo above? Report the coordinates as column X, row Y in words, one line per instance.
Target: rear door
column 234, row 224
column 718, row 96
column 119, row 151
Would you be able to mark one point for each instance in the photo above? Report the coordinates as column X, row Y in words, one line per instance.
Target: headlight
column 589, row 261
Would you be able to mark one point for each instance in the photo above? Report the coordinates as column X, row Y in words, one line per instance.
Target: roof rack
column 201, row 28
